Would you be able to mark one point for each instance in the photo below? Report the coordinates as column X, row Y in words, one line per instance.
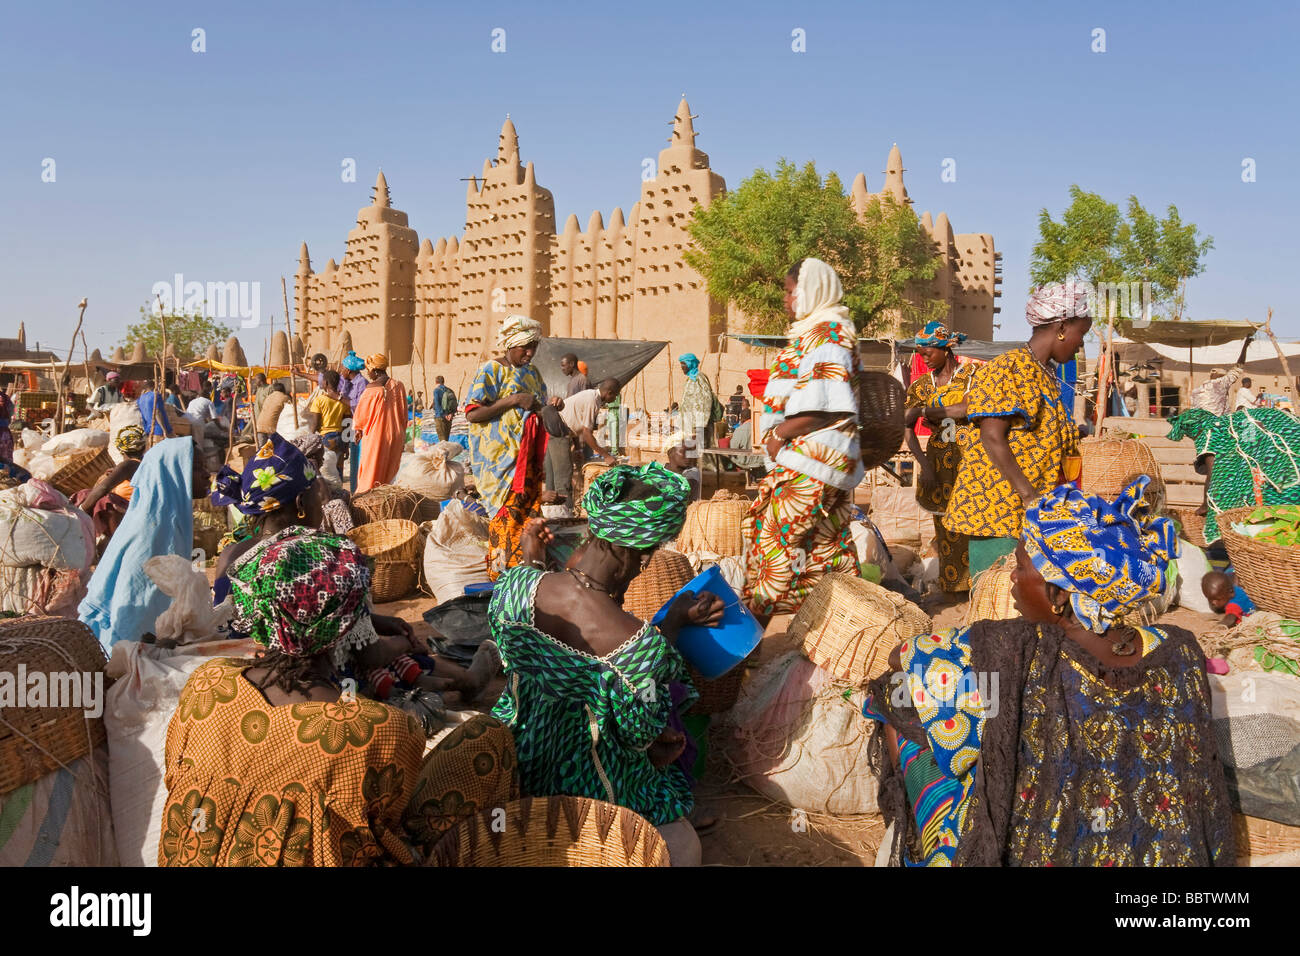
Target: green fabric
column 582, row 724
column 984, row 552
column 697, row 725
column 642, row 522
column 1256, row 458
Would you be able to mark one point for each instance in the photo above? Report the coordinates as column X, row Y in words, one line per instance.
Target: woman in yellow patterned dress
column 939, row 397
column 277, row 761
column 1023, row 441
column 798, row 527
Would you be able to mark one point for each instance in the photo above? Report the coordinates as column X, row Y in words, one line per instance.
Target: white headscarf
column 817, row 297
column 1060, row 300
column 518, row 330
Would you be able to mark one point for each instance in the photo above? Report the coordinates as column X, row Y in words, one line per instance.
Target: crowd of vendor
column 1097, row 751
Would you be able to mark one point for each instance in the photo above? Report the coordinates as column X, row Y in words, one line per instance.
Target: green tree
column 748, row 238
column 1094, row 241
column 189, row 334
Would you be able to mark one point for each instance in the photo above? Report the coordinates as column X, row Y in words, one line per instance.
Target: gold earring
column 1060, row 336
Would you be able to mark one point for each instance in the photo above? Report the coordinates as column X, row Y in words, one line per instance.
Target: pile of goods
column 46, row 549
column 1261, row 545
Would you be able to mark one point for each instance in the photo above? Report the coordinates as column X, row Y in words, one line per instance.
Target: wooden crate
column 1184, row 488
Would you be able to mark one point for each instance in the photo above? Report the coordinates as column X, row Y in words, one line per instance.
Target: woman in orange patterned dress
column 798, row 527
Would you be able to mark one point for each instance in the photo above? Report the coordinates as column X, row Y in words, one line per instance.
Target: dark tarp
column 605, row 358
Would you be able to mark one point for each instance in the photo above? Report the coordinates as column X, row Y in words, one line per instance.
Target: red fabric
column 918, row 369
column 532, row 452
column 757, row 381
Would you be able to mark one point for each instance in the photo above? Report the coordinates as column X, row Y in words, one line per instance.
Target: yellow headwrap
column 377, row 361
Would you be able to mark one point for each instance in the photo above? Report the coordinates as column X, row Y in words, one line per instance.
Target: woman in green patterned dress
column 587, row 684
column 940, row 398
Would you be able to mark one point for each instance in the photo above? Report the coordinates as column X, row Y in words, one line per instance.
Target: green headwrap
column 640, row 523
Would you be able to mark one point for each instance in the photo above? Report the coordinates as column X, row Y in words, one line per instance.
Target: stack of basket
column 880, row 417
column 392, row 501
column 850, row 626
column 1257, row 837
column 990, row 593
column 392, row 546
column 1110, row 464
column 1193, row 525
column 713, row 526
column 1269, row 573
column 553, row 831
column 666, row 574
column 80, row 471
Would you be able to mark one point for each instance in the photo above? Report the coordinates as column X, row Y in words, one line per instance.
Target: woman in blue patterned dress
column 1067, row 737
column 587, row 684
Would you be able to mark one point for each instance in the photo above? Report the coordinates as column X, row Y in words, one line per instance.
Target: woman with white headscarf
column 507, row 441
column 1024, row 441
column 798, row 527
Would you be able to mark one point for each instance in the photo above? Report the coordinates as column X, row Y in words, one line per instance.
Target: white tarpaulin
column 1220, row 356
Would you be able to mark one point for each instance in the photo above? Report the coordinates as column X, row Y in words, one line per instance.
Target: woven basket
column 37, row 740
column 880, row 417
column 81, row 471
column 714, row 525
column 1193, row 525
column 666, row 574
column 392, row 546
column 392, row 501
column 990, row 595
column 850, row 626
column 590, row 472
column 1270, row 573
column 553, row 831
column 1110, row 464
column 1259, row 837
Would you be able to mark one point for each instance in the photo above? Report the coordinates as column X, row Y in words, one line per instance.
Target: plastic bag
column 455, row 554
column 1192, row 566
column 119, row 416
column 798, row 736
column 434, row 473
column 190, row 617
column 1257, row 725
column 75, row 441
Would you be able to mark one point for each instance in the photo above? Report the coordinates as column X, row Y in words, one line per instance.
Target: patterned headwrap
column 1193, row 424
column 130, row 439
column 692, row 363
column 301, row 592
column 273, row 478
column 310, row 444
column 517, row 331
column 936, row 335
column 642, row 522
column 1110, row 558
column 1060, row 300
column 353, row 362
column 378, row 361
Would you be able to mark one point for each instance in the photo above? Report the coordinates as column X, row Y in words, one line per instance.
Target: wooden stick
column 1106, row 371
column 58, row 412
column 293, row 379
column 1286, row 366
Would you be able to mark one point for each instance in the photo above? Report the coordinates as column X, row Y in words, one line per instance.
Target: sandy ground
column 749, row 829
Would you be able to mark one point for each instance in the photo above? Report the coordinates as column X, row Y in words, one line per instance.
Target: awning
column 1192, row 334
column 244, row 371
column 605, row 358
column 971, row 348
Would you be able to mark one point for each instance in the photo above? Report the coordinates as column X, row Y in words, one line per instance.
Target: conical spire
column 304, row 259
column 894, row 176
column 213, row 355
column 381, row 198
column 683, row 128
column 22, row 335
column 508, row 143
column 96, row 356
column 119, row 356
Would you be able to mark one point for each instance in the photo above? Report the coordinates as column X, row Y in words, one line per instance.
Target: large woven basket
column 392, row 546
column 714, row 525
column 392, row 501
column 1259, row 837
column 1193, row 525
column 880, row 417
column 553, row 831
column 666, row 574
column 1270, row 573
column 990, row 594
column 849, row 626
column 1110, row 464
column 81, row 471
column 35, row 740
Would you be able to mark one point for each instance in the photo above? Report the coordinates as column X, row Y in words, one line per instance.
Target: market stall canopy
column 971, row 348
column 605, row 358
column 1261, row 357
column 1188, row 334
column 243, row 371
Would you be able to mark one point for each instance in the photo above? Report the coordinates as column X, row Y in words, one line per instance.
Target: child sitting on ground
column 1226, row 597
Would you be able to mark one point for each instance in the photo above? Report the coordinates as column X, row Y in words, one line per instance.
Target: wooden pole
column 58, row 412
column 1105, row 372
column 1286, row 366
column 1191, row 380
column 293, row 379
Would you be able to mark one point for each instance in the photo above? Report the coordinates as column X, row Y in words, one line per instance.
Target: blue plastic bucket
column 715, row 650
column 485, row 588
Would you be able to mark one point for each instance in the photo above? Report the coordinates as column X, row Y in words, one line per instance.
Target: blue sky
column 217, row 165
